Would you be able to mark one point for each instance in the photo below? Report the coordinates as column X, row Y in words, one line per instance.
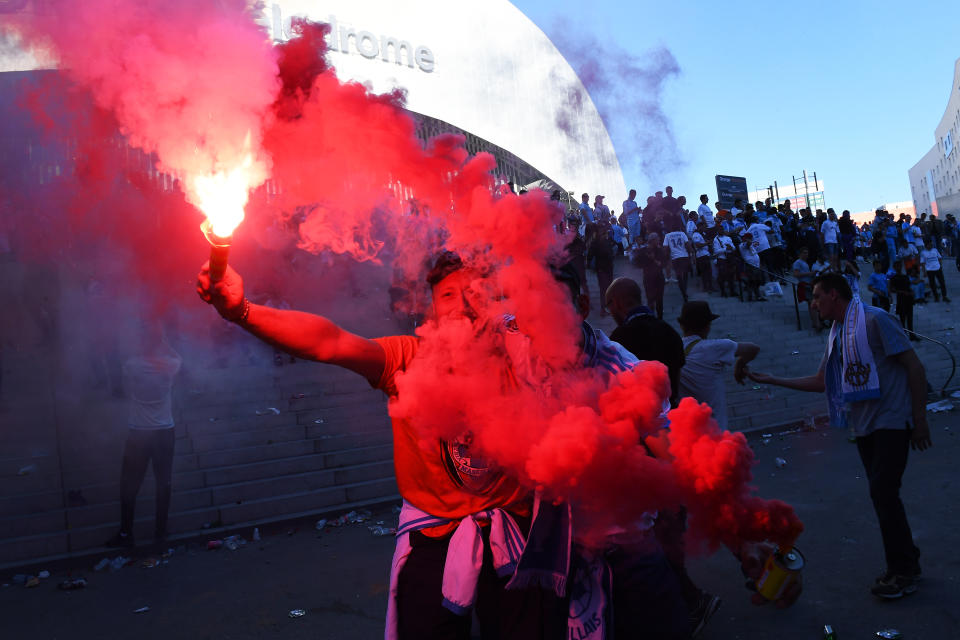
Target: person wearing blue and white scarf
column 876, row 386
column 628, row 583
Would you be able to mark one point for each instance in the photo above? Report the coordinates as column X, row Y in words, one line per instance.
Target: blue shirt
column 586, row 212
column 879, row 282
column 893, row 409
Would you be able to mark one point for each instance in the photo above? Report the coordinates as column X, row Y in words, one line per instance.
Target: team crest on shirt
column 473, row 473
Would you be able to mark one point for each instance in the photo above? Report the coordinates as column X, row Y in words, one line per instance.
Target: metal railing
column 953, row 360
column 793, row 282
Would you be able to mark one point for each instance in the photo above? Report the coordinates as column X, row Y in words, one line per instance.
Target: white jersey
column 723, row 246
column 677, row 242
column 700, row 244
column 759, row 233
column 930, row 259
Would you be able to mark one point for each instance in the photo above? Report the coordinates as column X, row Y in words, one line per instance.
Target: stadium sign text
column 347, row 40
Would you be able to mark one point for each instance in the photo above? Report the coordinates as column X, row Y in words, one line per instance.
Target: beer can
column 829, row 633
column 780, row 571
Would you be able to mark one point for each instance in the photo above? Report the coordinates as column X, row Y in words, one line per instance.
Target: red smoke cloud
column 188, row 81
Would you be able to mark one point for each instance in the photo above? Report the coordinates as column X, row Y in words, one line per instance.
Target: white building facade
column 935, row 179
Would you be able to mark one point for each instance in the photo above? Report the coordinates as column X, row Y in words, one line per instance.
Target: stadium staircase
column 257, row 444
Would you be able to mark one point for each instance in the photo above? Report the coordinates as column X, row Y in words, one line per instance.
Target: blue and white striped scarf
column 856, row 379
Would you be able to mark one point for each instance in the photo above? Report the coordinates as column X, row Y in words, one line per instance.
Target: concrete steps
column 329, row 447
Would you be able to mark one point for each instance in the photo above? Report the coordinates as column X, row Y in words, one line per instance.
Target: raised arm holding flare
column 304, row 335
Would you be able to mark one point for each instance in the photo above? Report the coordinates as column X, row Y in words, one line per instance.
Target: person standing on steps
column 148, row 381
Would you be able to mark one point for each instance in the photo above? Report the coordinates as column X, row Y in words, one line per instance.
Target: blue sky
column 849, row 89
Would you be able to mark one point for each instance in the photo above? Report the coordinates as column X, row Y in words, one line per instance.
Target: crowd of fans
column 736, row 250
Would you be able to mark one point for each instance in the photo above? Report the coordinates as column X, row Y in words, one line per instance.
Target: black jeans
column 883, row 302
column 503, row 614
column 726, row 276
column 934, row 277
column 705, row 268
column 604, row 275
column 884, row 455
column 654, row 286
column 681, row 269
column 669, row 529
column 905, row 312
column 647, row 596
column 144, row 445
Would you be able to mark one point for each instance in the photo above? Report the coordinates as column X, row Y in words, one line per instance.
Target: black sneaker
column 706, row 607
column 891, row 586
column 120, row 541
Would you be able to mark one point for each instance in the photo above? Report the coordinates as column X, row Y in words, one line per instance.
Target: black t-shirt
column 651, row 261
column 650, row 338
column 845, row 225
column 901, row 282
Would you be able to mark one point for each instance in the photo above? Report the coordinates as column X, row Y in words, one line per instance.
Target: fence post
column 796, row 306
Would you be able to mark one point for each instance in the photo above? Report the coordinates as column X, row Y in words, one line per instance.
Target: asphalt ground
column 339, row 577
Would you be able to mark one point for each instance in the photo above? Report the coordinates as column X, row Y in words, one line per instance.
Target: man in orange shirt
column 443, row 487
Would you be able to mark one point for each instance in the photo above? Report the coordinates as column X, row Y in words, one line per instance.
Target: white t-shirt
column 691, row 228
column 917, row 237
column 723, row 246
column 759, row 232
column 819, row 266
column 749, row 254
column 706, row 214
column 775, row 236
column 702, row 374
column 908, row 251
column 677, row 241
column 930, row 259
column 697, row 240
column 829, row 229
column 148, row 380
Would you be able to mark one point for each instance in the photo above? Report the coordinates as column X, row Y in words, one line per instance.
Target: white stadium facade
column 510, row 92
column 506, row 90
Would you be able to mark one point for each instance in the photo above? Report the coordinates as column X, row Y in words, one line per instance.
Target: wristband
column 241, row 318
